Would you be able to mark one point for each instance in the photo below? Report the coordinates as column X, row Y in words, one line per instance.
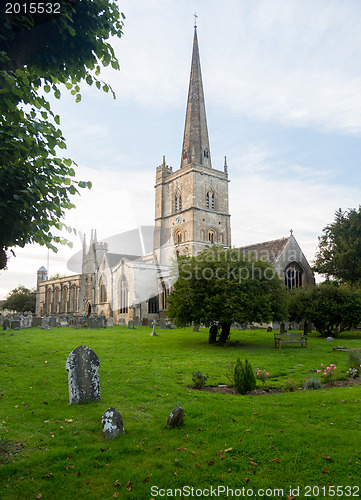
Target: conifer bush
column 244, row 379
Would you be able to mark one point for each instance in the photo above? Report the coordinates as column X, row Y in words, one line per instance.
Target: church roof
column 115, row 258
column 269, row 250
column 195, row 141
column 42, row 270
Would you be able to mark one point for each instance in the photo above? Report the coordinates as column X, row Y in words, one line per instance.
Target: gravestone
column 83, row 375
column 196, row 328
column 27, row 321
column 131, row 324
column 6, row 325
column 282, row 328
column 329, row 339
column 15, row 324
column 37, row 321
column 53, row 322
column 154, row 333
column 1, row 319
column 163, row 324
column 112, row 423
column 45, row 323
column 121, row 321
column 145, row 322
column 110, row 322
column 213, row 331
column 176, row 417
column 269, row 329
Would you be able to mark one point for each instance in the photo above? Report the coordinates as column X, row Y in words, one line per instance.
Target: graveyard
column 280, row 441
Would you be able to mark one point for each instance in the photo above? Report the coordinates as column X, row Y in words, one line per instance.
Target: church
column 130, row 278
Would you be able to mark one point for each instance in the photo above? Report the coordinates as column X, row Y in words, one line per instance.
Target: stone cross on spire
column 195, row 142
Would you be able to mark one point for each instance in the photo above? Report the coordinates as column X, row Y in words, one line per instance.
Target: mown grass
column 274, row 441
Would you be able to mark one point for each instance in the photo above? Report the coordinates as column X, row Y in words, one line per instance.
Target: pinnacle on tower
column 195, row 142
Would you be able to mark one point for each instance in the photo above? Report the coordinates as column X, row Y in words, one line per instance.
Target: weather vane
column 195, row 20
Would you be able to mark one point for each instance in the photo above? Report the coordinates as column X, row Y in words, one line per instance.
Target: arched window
column 102, row 290
column 57, row 299
column 180, row 202
column 123, row 297
column 293, row 275
column 212, row 236
column 74, row 298
column 212, row 201
column 153, row 305
column 65, row 298
column 207, row 200
column 176, row 203
column 164, row 297
column 178, row 237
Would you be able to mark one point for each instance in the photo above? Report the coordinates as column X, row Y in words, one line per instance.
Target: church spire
column 195, row 141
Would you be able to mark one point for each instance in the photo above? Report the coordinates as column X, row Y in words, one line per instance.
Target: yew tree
column 43, row 52
column 221, row 286
column 339, row 252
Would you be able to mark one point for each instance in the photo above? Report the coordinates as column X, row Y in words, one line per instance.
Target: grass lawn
column 50, row 449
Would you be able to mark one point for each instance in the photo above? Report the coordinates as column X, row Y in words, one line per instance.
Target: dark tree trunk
column 213, row 331
column 224, row 335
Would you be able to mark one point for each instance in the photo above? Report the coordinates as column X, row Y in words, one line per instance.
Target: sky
column 282, row 86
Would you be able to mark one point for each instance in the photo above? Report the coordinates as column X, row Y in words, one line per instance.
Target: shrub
column 313, row 383
column 327, row 372
column 352, row 372
column 290, row 385
column 354, row 361
column 230, row 373
column 262, row 375
column 199, row 380
column 244, row 379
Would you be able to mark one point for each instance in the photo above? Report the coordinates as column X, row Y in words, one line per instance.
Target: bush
column 199, row 380
column 354, row 361
column 313, row 383
column 290, row 386
column 244, row 379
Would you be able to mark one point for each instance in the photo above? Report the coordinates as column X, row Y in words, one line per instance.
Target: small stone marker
column 37, row 321
column 176, row 417
column 131, row 324
column 109, row 322
column 112, row 423
column 154, row 333
column 45, row 323
column 6, row 324
column 15, row 324
column 269, row 329
column 282, row 328
column 329, row 339
column 213, row 331
column 196, row 328
column 83, row 375
column 163, row 324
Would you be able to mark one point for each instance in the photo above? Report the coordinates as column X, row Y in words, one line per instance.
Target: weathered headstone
column 6, row 324
column 112, row 423
column 282, row 328
column 15, row 324
column 329, row 339
column 176, row 417
column 269, row 329
column 213, row 331
column 37, row 321
column 163, row 324
column 1, row 319
column 110, row 322
column 53, row 322
column 45, row 323
column 154, row 333
column 145, row 322
column 196, row 328
column 131, row 324
column 83, row 375
column 27, row 321
column 121, row 321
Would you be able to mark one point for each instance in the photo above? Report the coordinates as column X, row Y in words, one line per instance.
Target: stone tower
column 191, row 203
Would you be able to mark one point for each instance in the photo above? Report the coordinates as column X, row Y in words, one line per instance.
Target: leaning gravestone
column 213, row 331
column 6, row 324
column 112, row 423
column 83, row 375
column 196, row 328
column 176, row 417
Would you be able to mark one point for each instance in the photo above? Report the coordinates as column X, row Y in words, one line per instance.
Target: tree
column 225, row 286
column 20, row 299
column 39, row 51
column 339, row 254
column 333, row 308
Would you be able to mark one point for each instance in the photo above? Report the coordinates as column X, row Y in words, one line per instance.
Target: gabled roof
column 268, row 250
column 115, row 258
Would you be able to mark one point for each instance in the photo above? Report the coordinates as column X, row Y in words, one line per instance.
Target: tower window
column 212, row 201
column 176, row 203
column 211, row 236
column 178, row 237
column 207, row 201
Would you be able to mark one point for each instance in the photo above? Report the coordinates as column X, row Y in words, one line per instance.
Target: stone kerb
column 83, row 375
